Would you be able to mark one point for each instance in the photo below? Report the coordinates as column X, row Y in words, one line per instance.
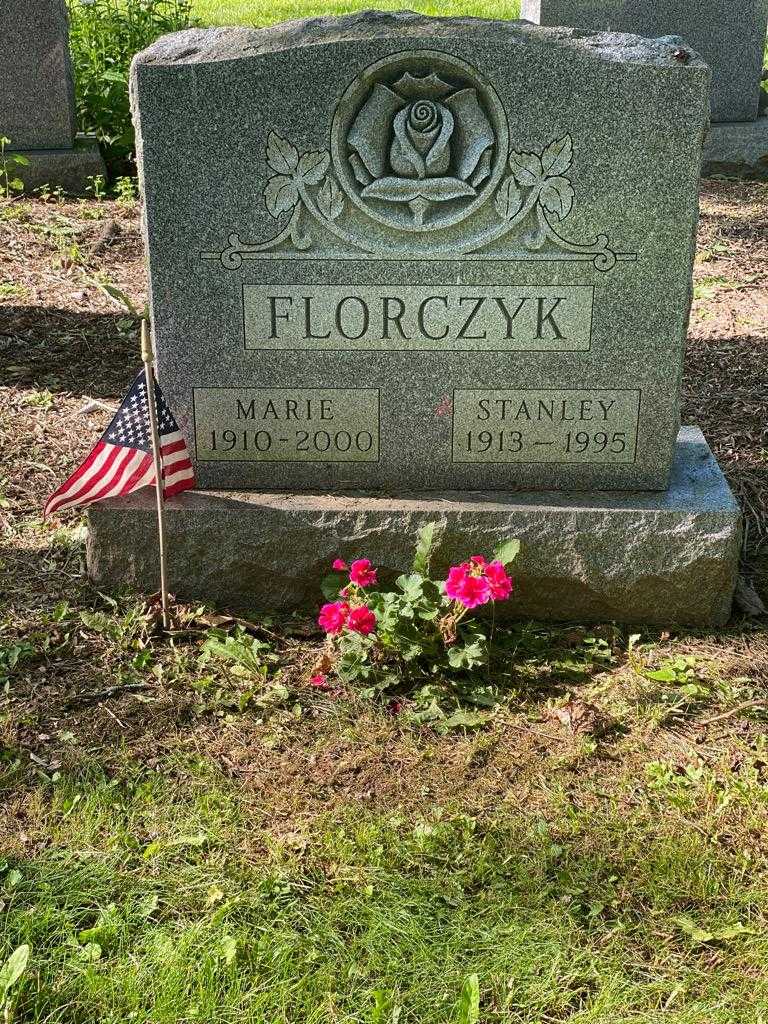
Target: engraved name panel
column 403, row 317
column 568, row 426
column 287, row 424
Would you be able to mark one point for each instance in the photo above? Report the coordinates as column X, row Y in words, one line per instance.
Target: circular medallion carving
column 419, row 140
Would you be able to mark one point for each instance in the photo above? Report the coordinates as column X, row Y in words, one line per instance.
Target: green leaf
column 662, row 675
column 282, row 155
column 698, row 934
column 469, row 1001
column 412, row 586
column 12, row 970
column 424, row 544
column 464, row 720
column 469, row 656
column 331, row 585
column 507, row 551
column 229, row 949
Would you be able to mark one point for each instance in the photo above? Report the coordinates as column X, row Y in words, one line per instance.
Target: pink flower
column 320, row 681
column 361, row 573
column 475, row 591
column 362, row 620
column 339, row 565
column 466, row 586
column 333, row 616
column 498, row 581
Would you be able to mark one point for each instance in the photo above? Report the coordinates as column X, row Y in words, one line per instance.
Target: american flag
column 122, row 460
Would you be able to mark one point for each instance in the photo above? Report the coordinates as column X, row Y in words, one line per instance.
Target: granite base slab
column 649, row 557
column 68, row 169
column 738, row 149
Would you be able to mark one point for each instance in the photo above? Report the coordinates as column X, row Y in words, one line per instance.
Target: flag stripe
column 121, row 462
column 132, row 483
column 179, row 486
column 101, row 487
column 109, row 480
column 91, row 465
column 174, row 462
column 90, row 479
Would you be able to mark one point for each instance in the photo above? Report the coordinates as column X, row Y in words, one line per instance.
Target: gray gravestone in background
column 729, row 35
column 37, row 102
column 464, row 262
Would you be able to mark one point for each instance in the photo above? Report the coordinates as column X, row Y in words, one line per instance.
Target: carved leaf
column 557, row 157
column 312, row 166
column 526, row 167
column 280, row 195
column 329, row 199
column 557, row 197
column 282, row 155
column 508, row 199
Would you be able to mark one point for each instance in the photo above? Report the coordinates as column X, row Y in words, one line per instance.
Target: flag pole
column 147, row 359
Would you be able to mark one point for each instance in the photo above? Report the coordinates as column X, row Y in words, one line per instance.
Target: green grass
column 265, row 12
column 159, row 897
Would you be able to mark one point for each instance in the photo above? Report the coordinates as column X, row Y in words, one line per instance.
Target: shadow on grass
column 64, row 350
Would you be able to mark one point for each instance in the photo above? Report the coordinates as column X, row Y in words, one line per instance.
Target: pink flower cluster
column 337, row 616
column 477, row 582
column 361, row 572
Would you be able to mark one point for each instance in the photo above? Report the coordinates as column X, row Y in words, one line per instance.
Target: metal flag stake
column 148, row 360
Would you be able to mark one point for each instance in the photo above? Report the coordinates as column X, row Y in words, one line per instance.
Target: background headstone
column 465, row 262
column 729, row 35
column 37, row 99
column 37, row 104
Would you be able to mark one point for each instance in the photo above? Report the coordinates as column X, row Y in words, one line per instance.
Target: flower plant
column 417, row 631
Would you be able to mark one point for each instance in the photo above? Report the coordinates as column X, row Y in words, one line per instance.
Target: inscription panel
column 287, row 424
column 396, row 317
column 566, row 426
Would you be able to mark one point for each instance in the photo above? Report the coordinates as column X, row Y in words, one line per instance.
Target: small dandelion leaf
column 557, row 157
column 312, row 166
column 330, row 201
column 527, row 168
column 557, row 197
column 280, row 195
column 282, row 155
column 508, row 199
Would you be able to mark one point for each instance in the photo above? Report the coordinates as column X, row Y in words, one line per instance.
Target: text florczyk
column 437, row 317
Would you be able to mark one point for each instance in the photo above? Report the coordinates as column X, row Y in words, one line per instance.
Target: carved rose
column 420, row 140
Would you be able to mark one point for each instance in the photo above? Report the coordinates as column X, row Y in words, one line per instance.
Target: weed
column 10, row 183
column 96, row 187
column 104, row 37
column 126, row 190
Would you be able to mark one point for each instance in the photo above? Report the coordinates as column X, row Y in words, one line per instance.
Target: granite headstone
column 729, row 35
column 37, row 100
column 389, row 251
